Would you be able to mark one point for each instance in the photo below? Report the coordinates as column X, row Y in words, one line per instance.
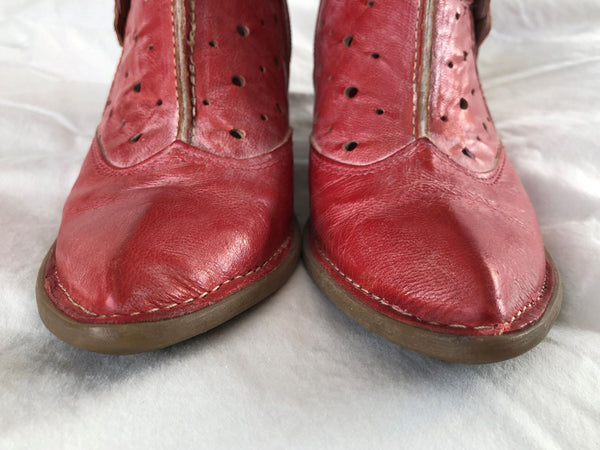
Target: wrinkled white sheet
column 295, row 372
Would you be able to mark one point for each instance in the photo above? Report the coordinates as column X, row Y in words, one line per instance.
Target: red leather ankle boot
column 420, row 229
column 182, row 214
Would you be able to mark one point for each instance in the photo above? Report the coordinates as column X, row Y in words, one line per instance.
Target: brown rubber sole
column 444, row 346
column 123, row 339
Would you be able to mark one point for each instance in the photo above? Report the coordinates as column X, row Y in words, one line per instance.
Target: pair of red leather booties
column 182, row 214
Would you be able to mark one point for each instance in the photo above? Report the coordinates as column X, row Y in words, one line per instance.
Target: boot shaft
column 213, row 74
column 409, row 73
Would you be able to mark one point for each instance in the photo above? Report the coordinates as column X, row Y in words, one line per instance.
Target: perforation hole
column 484, row 126
column 276, row 61
column 375, row 55
column 467, row 153
column 379, row 111
column 465, row 55
column 444, row 119
column 457, row 15
column 205, row 102
column 126, row 74
column 263, row 117
column 349, row 146
column 238, row 134
column 369, row 4
column 472, row 91
column 137, row 87
column 238, row 80
column 348, row 41
column 151, row 47
column 451, row 64
column 464, row 104
column 159, row 102
column 135, row 138
column 262, row 69
column 351, row 91
column 243, row 30
column 279, row 108
column 212, row 43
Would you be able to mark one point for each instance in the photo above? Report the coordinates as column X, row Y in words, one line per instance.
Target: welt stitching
column 173, row 305
column 414, row 81
column 384, row 302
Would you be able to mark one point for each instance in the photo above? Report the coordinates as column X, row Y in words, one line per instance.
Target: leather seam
column 103, row 166
column 200, row 162
column 192, row 67
column 492, row 177
column 174, row 61
column 414, row 81
column 172, row 305
column 399, row 310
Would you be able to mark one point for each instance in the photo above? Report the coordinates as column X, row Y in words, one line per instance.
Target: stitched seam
column 174, row 61
column 415, row 87
column 192, row 67
column 491, row 177
column 419, row 319
column 200, row 162
column 173, row 305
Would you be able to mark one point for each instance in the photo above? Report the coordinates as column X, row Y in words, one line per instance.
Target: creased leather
column 423, row 232
column 154, row 227
column 431, row 238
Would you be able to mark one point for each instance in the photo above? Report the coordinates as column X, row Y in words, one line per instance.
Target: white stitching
column 415, row 87
column 173, row 305
column 451, row 325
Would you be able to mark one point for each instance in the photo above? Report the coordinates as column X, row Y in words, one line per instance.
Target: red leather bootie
column 182, row 214
column 420, row 228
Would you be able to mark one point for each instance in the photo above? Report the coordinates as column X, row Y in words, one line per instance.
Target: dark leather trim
column 483, row 19
column 121, row 11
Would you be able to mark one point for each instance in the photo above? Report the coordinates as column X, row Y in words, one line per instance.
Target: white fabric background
column 295, row 372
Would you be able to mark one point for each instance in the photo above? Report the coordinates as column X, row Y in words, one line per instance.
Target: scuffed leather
column 422, row 232
column 158, row 228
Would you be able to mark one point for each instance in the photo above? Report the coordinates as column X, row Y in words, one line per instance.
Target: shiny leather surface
column 458, row 116
column 157, row 227
column 354, row 48
column 249, row 40
column 141, row 113
column 425, row 233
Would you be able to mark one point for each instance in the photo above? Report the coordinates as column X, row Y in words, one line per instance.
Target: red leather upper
column 161, row 222
column 424, row 218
